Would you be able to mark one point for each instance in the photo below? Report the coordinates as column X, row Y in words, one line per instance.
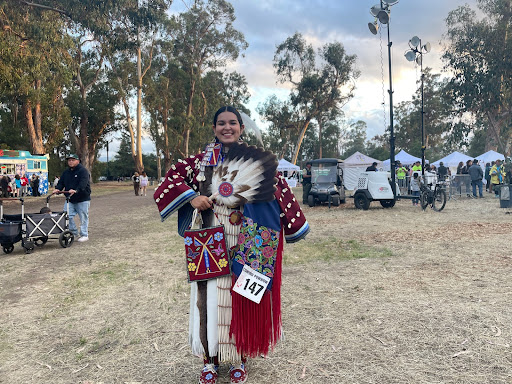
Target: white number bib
column 251, row 284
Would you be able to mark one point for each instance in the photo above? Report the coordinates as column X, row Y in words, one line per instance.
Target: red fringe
column 256, row 328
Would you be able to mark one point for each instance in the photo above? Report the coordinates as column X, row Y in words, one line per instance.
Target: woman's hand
column 201, row 203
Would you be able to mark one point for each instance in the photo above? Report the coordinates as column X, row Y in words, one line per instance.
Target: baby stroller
column 34, row 229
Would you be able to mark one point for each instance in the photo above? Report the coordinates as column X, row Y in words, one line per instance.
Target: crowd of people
column 469, row 178
column 18, row 186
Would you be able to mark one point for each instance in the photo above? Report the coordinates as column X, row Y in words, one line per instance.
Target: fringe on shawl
column 257, row 327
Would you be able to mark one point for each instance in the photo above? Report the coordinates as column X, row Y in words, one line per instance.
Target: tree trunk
column 38, row 118
column 165, row 116
column 299, row 141
column 158, row 166
column 83, row 149
column 494, row 129
column 36, row 141
column 139, row 166
column 189, row 115
column 320, row 138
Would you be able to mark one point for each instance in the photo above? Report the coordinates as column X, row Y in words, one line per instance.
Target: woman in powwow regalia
column 236, row 186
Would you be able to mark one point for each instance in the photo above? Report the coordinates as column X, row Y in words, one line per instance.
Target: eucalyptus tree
column 101, row 119
column 478, row 54
column 322, row 81
column 165, row 100
column 354, row 138
column 204, row 40
column 34, row 71
column 283, row 125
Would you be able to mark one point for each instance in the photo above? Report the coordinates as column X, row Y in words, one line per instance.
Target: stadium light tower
column 381, row 12
column 416, row 54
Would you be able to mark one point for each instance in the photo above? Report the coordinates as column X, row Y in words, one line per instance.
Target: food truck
column 14, row 162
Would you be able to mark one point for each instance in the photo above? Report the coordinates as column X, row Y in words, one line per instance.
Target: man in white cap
column 76, row 182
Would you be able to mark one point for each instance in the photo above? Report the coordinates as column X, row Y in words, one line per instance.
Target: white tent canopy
column 488, row 157
column 452, row 161
column 404, row 158
column 354, row 165
column 285, row 166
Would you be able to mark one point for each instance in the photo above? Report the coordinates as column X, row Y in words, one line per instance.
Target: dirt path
column 423, row 298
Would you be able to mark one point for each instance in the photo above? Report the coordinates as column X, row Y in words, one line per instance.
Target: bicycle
column 436, row 197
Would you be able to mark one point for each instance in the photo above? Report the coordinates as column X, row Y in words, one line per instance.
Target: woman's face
column 227, row 129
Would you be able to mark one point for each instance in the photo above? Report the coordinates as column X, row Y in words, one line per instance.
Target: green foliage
column 354, row 139
column 478, row 53
column 34, row 70
column 318, row 81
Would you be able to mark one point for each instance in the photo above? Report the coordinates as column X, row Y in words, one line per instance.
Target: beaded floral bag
column 257, row 247
column 206, row 253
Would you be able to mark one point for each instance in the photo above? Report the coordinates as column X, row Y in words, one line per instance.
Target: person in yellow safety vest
column 401, row 173
column 497, row 176
column 416, row 167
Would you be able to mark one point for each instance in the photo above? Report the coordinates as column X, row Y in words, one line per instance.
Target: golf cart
column 374, row 186
column 326, row 182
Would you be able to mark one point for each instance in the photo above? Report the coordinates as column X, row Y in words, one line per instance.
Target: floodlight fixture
column 374, row 11
column 383, row 16
column 410, row 55
column 426, row 48
column 390, row 2
column 419, row 60
column 414, row 42
column 374, row 27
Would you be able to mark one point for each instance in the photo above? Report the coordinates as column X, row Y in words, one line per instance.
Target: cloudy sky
column 267, row 23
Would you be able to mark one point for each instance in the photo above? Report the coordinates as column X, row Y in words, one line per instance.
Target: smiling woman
column 236, row 187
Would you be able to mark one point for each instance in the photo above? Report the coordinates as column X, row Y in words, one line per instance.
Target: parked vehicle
column 374, row 186
column 326, row 182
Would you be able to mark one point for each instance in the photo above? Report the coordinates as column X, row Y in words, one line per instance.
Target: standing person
column 476, row 174
column 507, row 168
column 401, row 174
column 459, row 178
column 33, row 184
column 372, row 168
column 466, row 177
column 4, row 183
column 415, row 187
column 24, row 185
column 490, row 176
column 497, row 176
column 487, row 175
column 55, row 182
column 76, row 181
column 306, row 183
column 442, row 171
column 143, row 183
column 225, row 326
column 136, row 183
column 36, row 185
column 416, row 167
column 17, row 186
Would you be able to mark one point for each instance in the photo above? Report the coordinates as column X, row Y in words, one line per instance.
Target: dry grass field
column 380, row 296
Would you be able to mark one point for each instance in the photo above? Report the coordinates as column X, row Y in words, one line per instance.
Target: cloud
column 266, row 24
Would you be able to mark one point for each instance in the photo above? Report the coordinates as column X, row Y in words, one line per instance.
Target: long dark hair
column 227, row 108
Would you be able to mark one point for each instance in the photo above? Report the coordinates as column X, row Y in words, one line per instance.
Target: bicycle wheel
column 439, row 200
column 424, row 199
